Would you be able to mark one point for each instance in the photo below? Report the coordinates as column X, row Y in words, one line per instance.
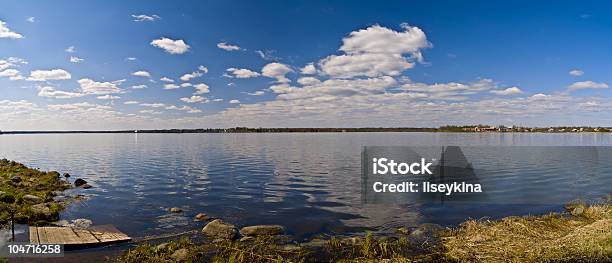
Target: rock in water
column 79, row 182
column 262, row 230
column 81, row 223
column 176, row 210
column 180, row 255
column 201, row 217
column 67, row 175
column 32, row 198
column 86, row 186
column 220, row 229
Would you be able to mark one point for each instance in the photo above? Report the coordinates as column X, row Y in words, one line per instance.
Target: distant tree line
column 447, row 128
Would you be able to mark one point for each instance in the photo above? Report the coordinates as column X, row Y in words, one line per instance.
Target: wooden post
column 13, row 224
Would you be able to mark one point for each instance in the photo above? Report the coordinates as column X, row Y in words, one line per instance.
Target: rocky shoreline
column 31, row 196
column 581, row 233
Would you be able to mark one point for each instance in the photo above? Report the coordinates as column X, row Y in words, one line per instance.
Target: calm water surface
column 308, row 182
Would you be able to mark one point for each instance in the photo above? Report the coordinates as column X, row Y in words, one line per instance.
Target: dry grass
column 585, row 237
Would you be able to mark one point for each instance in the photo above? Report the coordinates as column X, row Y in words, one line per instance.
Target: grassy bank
column 582, row 234
column 29, row 194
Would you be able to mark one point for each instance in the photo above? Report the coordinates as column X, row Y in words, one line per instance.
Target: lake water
column 308, row 182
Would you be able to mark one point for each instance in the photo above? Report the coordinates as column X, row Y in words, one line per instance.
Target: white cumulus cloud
column 309, row 69
column 201, row 88
column 587, row 85
column 90, row 86
column 508, row 91
column 190, row 76
column 203, row 69
column 228, row 47
column 171, row 46
column 53, row 74
column 5, row 32
column 11, row 73
column 171, row 86
column 243, row 73
column 576, row 72
column 142, row 73
column 167, row 80
column 276, row 70
column 51, row 92
column 376, row 51
column 194, row 99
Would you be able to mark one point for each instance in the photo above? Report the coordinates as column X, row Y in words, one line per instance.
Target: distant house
column 485, row 129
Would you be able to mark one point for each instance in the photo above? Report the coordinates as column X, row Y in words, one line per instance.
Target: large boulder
column 32, row 198
column 262, row 230
column 79, row 182
column 41, row 209
column 220, row 230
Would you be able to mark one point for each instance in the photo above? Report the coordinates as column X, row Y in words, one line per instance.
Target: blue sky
column 396, row 63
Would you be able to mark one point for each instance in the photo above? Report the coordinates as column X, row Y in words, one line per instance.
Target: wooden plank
column 67, row 236
column 85, row 236
column 33, row 235
column 42, row 236
column 52, row 234
column 74, row 236
column 108, row 233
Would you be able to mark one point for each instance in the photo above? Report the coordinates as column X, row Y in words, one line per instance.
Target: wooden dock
column 69, row 236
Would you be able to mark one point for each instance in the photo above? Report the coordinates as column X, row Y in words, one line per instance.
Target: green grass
column 33, row 182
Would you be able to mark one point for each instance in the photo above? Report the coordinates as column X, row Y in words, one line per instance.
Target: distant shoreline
column 460, row 129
